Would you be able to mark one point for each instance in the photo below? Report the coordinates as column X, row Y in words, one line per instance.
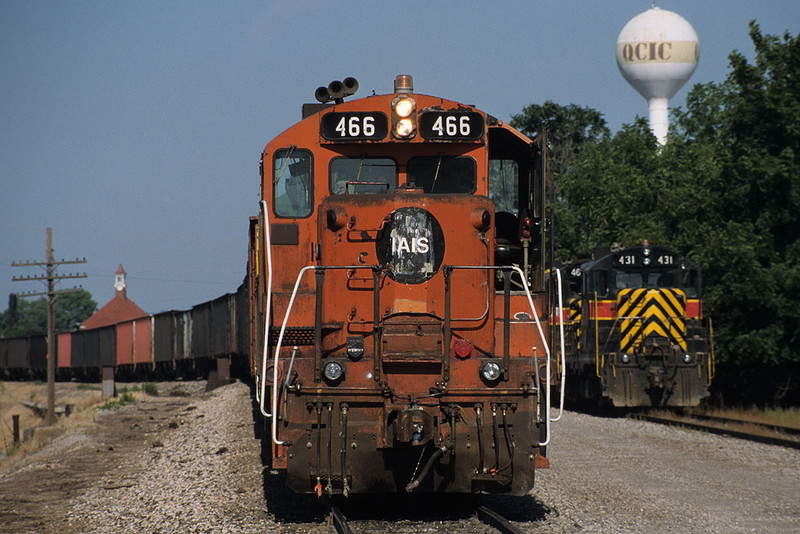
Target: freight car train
column 400, row 306
column 636, row 334
column 174, row 343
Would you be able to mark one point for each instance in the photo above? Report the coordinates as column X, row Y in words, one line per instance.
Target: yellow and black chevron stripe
column 575, row 319
column 647, row 313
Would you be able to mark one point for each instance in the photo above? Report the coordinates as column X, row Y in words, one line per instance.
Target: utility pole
column 51, row 278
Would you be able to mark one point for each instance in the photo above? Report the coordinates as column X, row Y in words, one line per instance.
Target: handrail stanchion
column 265, row 351
column 563, row 352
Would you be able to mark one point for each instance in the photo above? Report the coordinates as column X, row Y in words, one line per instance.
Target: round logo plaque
column 411, row 243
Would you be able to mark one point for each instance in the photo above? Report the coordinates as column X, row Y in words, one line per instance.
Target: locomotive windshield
column 443, row 174
column 608, row 282
column 361, row 176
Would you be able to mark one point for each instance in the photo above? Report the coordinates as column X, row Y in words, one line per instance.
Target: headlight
column 333, row 371
column 625, row 358
column 687, row 358
column 490, row 371
column 404, row 128
column 404, row 107
column 404, row 117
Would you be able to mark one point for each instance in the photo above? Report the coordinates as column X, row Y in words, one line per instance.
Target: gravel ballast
column 189, row 461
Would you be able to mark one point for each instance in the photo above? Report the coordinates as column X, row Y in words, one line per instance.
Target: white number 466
column 356, row 126
column 452, row 125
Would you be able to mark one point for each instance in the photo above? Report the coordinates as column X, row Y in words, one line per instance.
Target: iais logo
column 411, row 244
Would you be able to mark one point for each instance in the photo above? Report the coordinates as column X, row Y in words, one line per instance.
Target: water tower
column 657, row 52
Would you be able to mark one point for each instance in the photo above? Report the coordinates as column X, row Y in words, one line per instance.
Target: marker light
column 687, row 358
column 625, row 358
column 333, row 371
column 490, row 371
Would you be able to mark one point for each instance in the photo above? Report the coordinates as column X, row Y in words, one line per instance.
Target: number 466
column 451, row 125
column 356, row 126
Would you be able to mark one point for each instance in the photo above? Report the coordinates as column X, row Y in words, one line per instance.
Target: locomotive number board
column 451, row 125
column 354, row 126
column 633, row 260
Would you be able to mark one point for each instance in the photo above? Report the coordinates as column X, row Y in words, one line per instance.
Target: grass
column 125, row 397
column 772, row 416
column 150, row 389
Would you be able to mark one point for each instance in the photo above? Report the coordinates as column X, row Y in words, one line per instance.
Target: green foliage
column 569, row 130
column 150, row 389
column 23, row 318
column 725, row 191
column 125, row 397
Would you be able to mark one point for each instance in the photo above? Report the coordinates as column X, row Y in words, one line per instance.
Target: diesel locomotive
column 399, row 304
column 636, row 336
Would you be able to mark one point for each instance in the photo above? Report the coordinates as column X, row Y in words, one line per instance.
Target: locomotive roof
column 606, row 258
column 312, row 114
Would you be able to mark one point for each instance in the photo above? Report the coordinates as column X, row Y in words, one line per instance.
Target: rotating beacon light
column 657, row 52
column 404, row 108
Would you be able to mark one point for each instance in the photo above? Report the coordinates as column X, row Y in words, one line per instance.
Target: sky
column 134, row 129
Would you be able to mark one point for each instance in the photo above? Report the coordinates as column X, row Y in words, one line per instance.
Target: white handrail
column 265, row 351
column 538, row 326
column 275, row 388
column 563, row 354
column 546, row 350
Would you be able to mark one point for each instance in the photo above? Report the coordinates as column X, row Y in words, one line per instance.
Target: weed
column 125, row 397
column 150, row 389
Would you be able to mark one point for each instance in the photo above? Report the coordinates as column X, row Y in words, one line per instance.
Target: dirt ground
column 89, row 442
column 81, row 398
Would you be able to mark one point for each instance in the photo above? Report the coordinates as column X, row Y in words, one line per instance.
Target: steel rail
column 492, row 518
column 340, row 521
column 720, row 430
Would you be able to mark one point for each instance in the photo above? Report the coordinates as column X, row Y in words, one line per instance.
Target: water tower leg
column 659, row 118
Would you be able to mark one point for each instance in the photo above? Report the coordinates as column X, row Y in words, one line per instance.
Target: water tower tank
column 657, row 52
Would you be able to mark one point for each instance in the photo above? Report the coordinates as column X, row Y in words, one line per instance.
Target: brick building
column 118, row 309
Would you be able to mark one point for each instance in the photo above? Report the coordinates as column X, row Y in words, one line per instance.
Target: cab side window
column 293, row 182
column 504, row 185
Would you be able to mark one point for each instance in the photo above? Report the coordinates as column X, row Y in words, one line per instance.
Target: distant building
column 118, row 309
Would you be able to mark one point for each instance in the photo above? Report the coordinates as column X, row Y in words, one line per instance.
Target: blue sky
column 134, row 129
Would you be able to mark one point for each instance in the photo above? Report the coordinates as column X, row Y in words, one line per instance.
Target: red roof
column 118, row 309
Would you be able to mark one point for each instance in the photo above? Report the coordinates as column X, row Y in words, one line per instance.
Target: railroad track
column 752, row 431
column 486, row 515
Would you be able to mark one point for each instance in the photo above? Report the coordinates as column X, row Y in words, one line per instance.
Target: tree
column 612, row 193
column 569, row 130
column 24, row 318
column 750, row 246
column 725, row 191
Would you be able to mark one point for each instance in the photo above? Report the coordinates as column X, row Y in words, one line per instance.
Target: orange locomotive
column 398, row 297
